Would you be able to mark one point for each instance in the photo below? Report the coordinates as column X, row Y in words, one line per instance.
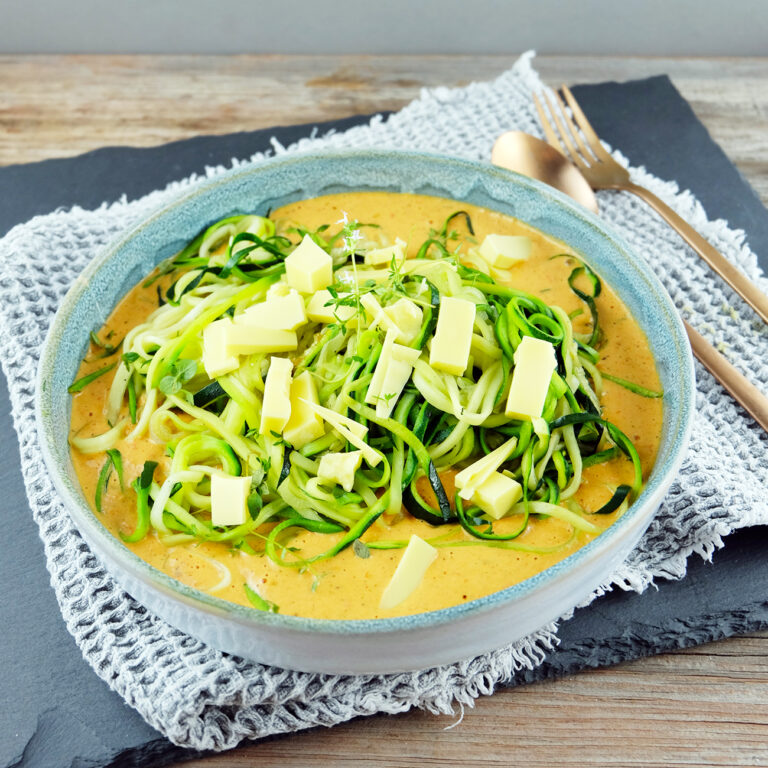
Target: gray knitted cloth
column 201, row 698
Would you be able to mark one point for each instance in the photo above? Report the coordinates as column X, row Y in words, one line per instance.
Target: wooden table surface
column 704, row 706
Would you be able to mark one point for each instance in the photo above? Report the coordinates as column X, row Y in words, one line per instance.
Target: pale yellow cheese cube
column 249, row 340
column 377, row 316
column 309, row 268
column 502, row 251
column 406, row 354
column 395, row 379
column 304, row 425
column 407, row 316
column 283, row 313
column 351, row 430
column 337, row 421
column 409, row 574
column 374, row 387
column 497, row 495
column 398, row 372
column 471, row 477
column 535, row 362
column 384, row 256
column 229, row 499
column 276, row 406
column 391, row 374
column 278, row 289
column 216, row 359
column 340, row 468
column 323, row 308
column 453, row 336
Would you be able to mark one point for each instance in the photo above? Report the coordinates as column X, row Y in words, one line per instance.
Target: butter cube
column 535, row 362
column 340, row 468
column 409, row 574
column 229, row 499
column 497, row 495
column 407, row 316
column 282, row 313
column 216, row 359
column 384, row 256
column 453, row 336
column 309, row 268
column 276, row 407
column 323, row 308
column 502, row 251
column 304, row 425
column 472, row 477
column 249, row 340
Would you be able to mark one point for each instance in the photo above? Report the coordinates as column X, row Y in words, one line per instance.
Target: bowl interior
column 277, row 182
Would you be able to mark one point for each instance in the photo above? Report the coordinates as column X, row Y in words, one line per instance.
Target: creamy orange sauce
column 347, row 586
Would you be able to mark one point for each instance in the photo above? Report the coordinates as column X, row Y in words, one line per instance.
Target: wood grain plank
column 699, row 707
column 55, row 106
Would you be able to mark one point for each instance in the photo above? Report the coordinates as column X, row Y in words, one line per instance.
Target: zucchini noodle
column 438, row 422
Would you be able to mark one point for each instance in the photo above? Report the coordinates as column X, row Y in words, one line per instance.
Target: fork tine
column 547, row 126
column 573, row 130
column 584, row 124
column 565, row 134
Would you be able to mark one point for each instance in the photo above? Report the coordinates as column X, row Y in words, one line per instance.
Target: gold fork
column 603, row 172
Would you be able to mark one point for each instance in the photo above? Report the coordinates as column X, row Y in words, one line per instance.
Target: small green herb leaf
column 185, row 369
column 107, row 349
column 360, row 548
column 179, row 374
column 254, row 504
column 169, row 385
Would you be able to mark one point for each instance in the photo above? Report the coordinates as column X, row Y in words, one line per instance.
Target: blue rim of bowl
column 85, row 519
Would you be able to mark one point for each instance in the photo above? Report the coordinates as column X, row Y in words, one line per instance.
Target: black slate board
column 56, row 712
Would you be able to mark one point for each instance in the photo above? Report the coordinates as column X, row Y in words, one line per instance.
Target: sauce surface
column 348, row 586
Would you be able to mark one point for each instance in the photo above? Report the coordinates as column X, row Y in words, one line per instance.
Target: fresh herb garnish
column 107, row 350
column 179, row 374
column 360, row 548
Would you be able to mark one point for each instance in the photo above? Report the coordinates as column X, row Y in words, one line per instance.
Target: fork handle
column 744, row 287
column 743, row 391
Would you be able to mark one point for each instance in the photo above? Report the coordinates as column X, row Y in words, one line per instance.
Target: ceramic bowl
column 383, row 645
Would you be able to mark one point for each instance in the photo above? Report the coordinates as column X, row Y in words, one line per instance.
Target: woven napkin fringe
column 201, row 698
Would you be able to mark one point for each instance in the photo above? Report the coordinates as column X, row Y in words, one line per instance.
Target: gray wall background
column 643, row 27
